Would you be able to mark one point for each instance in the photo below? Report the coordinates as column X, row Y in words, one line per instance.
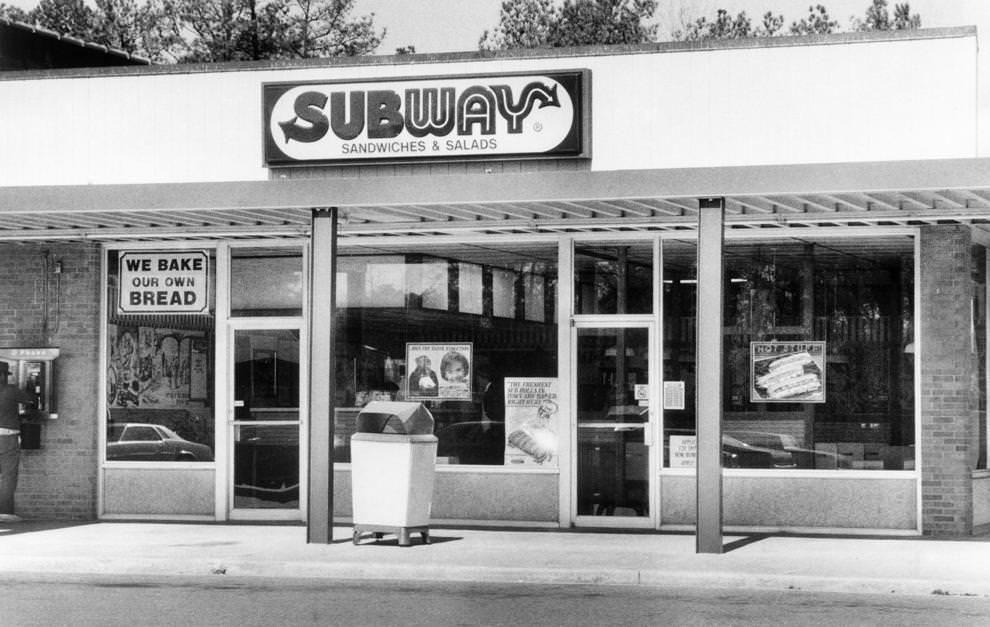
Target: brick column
column 58, row 481
column 948, row 439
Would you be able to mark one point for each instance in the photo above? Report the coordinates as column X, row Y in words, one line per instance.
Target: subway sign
column 484, row 117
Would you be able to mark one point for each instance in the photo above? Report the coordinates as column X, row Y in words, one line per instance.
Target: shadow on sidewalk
column 393, row 540
column 31, row 526
column 728, row 547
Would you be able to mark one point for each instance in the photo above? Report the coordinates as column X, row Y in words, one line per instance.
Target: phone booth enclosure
column 33, row 370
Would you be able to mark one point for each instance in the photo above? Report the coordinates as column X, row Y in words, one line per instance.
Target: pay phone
column 32, row 370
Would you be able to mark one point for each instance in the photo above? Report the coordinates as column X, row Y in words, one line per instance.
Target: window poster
column 531, row 422
column 155, row 368
column 787, row 372
column 440, row 371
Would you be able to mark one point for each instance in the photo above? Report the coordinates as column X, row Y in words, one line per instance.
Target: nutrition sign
column 164, row 282
column 486, row 116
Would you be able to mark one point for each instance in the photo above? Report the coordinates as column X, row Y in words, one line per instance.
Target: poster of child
column 441, row 371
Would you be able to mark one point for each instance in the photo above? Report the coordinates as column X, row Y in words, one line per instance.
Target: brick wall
column 59, row 480
column 948, row 401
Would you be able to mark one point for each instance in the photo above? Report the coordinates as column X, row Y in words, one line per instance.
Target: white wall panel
column 851, row 101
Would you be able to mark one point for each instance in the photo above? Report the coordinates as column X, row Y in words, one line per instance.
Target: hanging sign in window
column 453, row 117
column 787, row 372
column 531, row 422
column 440, row 371
column 164, row 282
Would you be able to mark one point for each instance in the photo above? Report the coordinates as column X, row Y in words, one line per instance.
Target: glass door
column 614, row 426
column 266, row 473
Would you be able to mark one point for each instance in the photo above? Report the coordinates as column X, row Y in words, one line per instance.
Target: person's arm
column 23, row 396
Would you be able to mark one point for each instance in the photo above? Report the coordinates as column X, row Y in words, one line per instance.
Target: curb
column 52, row 569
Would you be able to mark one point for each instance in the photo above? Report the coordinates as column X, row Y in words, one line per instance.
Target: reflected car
column 800, row 457
column 739, row 454
column 135, row 441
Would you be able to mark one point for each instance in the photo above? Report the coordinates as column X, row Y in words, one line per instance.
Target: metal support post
column 711, row 217
column 322, row 273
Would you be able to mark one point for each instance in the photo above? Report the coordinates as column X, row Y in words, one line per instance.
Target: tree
column 772, row 24
column 71, row 17
column 116, row 23
column 878, row 18
column 212, row 30
column 724, row 26
column 903, row 20
column 542, row 24
column 322, row 28
column 523, row 24
column 818, row 22
column 9, row 12
column 586, row 22
column 241, row 30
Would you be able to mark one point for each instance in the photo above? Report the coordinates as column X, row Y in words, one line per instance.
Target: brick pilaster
column 948, row 439
column 42, row 308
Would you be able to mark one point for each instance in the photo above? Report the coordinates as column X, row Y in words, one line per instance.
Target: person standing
column 10, row 442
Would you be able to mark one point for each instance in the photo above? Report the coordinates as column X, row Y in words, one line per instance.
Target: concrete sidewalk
column 902, row 566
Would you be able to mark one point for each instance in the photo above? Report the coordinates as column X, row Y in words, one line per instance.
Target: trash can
column 393, row 455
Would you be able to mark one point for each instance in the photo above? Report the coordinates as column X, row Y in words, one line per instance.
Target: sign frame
column 577, row 82
column 787, row 371
column 201, row 305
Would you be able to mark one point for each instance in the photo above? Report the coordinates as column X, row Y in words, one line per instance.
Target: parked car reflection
column 136, row 441
column 800, row 457
column 739, row 454
column 758, row 449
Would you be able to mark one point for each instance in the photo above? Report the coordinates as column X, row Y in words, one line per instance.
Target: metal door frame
column 652, row 520
column 267, row 324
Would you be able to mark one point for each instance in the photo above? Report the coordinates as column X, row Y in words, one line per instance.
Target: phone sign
column 164, row 282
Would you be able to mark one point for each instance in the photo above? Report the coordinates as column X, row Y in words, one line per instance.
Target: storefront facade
column 514, row 242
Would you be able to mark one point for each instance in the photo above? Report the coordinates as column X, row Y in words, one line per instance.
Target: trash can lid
column 395, row 417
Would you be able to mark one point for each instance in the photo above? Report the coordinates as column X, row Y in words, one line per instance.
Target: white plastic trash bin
column 393, row 457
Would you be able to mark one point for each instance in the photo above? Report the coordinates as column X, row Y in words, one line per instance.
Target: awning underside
column 908, row 208
column 770, row 197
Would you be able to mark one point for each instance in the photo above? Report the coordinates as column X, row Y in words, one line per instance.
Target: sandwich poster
column 531, row 421
column 787, row 372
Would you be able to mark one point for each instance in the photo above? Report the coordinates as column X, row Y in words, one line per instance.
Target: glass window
column 613, row 278
column 159, row 379
column 470, row 318
column 680, row 272
column 818, row 345
column 470, row 282
column 266, row 282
